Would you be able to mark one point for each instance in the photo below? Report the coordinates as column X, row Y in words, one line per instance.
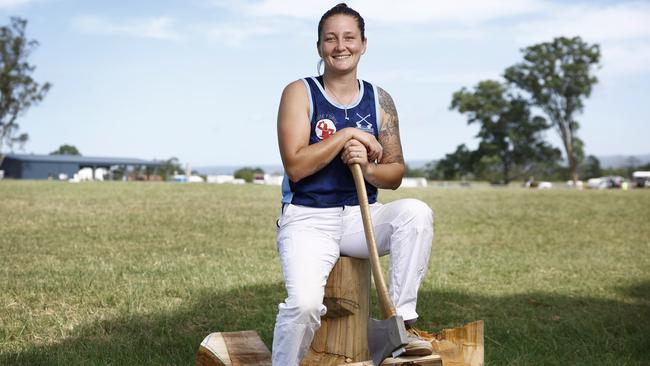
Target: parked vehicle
column 642, row 179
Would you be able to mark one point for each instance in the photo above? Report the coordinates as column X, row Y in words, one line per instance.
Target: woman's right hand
column 375, row 150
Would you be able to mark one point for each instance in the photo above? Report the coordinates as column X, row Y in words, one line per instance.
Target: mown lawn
column 139, row 273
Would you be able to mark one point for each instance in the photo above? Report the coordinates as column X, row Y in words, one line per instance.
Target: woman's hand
column 354, row 152
column 373, row 148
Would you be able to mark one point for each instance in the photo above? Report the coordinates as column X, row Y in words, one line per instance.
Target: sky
column 201, row 80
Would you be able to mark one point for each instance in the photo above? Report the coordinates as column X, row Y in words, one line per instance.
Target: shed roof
column 83, row 160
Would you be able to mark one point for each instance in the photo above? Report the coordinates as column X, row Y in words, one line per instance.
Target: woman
column 325, row 124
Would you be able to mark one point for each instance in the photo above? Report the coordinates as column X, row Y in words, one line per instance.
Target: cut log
column 432, row 360
column 343, row 335
column 462, row 346
column 233, row 349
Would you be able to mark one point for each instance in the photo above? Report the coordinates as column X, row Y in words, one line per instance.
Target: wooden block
column 343, row 334
column 432, row 360
column 462, row 346
column 233, row 349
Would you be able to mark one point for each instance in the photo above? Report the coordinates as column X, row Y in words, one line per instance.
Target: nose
column 339, row 45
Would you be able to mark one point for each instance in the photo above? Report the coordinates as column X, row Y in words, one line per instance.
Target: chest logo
column 325, row 128
column 364, row 124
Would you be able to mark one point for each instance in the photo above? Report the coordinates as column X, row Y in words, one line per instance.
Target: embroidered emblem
column 364, row 125
column 325, row 128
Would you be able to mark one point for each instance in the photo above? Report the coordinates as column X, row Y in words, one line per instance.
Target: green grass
column 139, row 273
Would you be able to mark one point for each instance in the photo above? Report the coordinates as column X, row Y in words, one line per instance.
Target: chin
column 342, row 68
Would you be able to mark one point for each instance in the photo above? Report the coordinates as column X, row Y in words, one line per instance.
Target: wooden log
column 462, row 346
column 431, row 360
column 233, row 349
column 343, row 335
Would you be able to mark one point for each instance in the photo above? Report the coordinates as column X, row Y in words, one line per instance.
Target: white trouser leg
column 307, row 241
column 405, row 229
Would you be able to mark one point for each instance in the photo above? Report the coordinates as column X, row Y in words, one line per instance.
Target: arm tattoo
column 389, row 131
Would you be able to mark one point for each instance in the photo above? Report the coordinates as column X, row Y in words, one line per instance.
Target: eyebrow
column 346, row 33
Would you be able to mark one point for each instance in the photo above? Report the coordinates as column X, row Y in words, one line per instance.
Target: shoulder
column 383, row 95
column 386, row 103
column 295, row 91
column 295, row 86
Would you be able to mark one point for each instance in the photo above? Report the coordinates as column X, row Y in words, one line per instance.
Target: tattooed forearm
column 389, row 130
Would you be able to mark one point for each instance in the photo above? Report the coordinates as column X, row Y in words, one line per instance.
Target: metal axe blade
column 385, row 336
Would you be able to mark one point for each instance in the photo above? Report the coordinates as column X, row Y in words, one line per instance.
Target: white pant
column 309, row 242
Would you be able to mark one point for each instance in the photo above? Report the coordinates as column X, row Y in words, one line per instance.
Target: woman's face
column 341, row 45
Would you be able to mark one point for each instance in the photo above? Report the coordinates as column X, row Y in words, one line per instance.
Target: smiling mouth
column 341, row 57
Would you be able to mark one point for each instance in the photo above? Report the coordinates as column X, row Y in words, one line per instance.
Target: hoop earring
column 318, row 65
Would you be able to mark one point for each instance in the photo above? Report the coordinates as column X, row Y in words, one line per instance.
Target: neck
column 345, row 86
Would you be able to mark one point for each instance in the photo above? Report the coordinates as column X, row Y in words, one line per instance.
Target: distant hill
column 230, row 169
column 622, row 161
column 606, row 161
column 271, row 169
column 418, row 163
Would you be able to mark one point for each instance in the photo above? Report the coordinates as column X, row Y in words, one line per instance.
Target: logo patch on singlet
column 324, row 128
column 363, row 124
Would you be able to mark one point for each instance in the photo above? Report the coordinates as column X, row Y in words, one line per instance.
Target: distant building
column 31, row 166
column 413, row 182
column 641, row 178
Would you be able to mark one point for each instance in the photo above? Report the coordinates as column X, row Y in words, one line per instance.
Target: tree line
column 553, row 78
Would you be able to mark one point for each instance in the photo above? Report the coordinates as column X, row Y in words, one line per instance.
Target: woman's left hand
column 354, row 152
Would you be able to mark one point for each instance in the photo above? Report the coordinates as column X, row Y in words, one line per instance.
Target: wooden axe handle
column 385, row 303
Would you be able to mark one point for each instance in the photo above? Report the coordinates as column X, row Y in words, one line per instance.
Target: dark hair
column 342, row 8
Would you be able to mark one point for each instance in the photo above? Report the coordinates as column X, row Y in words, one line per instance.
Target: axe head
column 385, row 336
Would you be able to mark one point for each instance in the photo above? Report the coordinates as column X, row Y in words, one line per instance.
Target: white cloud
column 406, row 11
column 622, row 30
column 155, row 27
column 629, row 58
column 610, row 23
column 235, row 34
column 10, row 4
column 459, row 11
column 419, row 77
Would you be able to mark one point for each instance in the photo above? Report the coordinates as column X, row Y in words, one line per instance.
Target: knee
column 421, row 213
column 304, row 309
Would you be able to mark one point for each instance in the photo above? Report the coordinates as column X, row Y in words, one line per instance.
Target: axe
column 388, row 335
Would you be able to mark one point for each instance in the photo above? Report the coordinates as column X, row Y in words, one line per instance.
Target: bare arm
column 300, row 159
column 390, row 170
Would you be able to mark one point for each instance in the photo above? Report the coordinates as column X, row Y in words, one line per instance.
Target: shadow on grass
column 527, row 329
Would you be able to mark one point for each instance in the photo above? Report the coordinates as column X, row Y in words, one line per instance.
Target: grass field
column 139, row 273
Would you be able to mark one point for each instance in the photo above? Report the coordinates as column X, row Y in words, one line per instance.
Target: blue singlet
column 333, row 185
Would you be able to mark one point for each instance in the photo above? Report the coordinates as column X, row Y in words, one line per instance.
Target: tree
column 455, row 165
column 559, row 75
column 645, row 167
column 430, row 170
column 66, row 150
column 18, row 91
column 414, row 172
column 170, row 167
column 248, row 174
column 591, row 168
column 511, row 138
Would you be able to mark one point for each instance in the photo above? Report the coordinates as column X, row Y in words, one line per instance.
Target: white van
column 641, row 178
